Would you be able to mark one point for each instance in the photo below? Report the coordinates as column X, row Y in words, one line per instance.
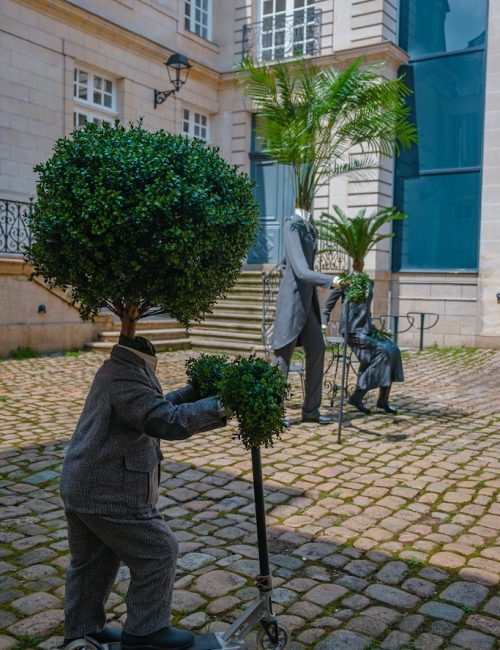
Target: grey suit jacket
column 112, row 462
column 297, row 294
column 355, row 318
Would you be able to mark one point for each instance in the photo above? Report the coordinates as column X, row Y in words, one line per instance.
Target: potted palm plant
column 310, row 118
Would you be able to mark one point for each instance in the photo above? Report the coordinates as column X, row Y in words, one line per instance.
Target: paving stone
column 464, row 593
column 441, row 610
column 419, row 587
column 485, row 624
column 411, row 623
column 360, row 568
column 390, row 616
column 395, row 640
column 392, row 596
column 356, row 602
column 7, row 642
column 393, row 572
column 186, row 601
column 40, row 624
column 35, row 603
column 194, row 621
column 473, row 640
column 352, row 583
column 367, row 626
column 325, row 594
column 442, row 628
column 218, row 583
column 493, row 606
column 343, row 640
column 428, row 641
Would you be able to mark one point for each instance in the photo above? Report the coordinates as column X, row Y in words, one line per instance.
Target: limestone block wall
column 22, row 325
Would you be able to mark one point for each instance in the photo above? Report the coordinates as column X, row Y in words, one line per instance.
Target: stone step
column 231, row 317
column 151, row 334
column 151, row 323
column 235, row 347
column 160, row 345
column 233, row 325
column 248, row 337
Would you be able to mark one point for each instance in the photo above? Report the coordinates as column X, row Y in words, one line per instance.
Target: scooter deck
column 202, row 642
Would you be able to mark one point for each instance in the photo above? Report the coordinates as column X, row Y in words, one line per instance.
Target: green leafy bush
column 205, row 372
column 255, row 391
column 357, row 285
column 140, row 222
column 24, row 353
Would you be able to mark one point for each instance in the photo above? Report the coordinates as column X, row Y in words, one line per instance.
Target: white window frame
column 94, row 83
column 194, row 123
column 277, row 40
column 198, row 17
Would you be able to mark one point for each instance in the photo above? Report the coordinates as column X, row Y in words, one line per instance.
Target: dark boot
column 383, row 400
column 168, row 638
column 356, row 400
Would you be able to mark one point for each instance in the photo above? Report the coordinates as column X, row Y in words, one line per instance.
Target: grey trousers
column 312, row 341
column 97, row 545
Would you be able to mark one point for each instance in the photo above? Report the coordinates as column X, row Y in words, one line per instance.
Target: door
column 274, row 193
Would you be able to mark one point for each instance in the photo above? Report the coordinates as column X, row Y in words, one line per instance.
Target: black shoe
column 385, row 406
column 318, row 418
column 106, row 635
column 169, row 638
column 355, row 401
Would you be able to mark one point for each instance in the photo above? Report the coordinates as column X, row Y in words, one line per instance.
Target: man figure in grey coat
column 109, row 485
column 297, row 311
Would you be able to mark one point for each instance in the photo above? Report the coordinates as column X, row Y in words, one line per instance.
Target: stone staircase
column 165, row 334
column 235, row 323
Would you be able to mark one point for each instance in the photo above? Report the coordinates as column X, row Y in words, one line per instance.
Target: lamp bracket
column 161, row 96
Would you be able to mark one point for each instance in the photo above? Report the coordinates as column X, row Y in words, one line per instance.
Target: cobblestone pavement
column 389, row 540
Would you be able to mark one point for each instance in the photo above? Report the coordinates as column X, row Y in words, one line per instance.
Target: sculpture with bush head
column 140, row 222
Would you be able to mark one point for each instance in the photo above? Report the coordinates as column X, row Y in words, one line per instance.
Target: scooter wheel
column 284, row 639
column 82, row 644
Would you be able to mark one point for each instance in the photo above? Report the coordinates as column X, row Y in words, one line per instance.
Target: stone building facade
column 66, row 62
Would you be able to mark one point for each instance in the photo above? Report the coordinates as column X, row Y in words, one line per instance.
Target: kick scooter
column 272, row 634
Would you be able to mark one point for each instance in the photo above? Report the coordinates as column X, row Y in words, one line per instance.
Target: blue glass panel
column 441, row 231
column 447, row 107
column 430, row 26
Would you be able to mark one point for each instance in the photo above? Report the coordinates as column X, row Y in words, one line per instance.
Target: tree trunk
column 129, row 319
column 358, row 265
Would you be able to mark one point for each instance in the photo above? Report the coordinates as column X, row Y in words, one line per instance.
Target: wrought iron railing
column 331, row 260
column 279, row 37
column 15, row 233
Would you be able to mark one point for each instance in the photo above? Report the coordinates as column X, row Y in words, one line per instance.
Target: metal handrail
column 15, row 233
column 278, row 37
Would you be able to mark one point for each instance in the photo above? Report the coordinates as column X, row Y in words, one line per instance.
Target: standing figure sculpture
column 298, row 319
column 379, row 358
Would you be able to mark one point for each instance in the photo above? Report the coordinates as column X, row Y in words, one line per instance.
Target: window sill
column 201, row 41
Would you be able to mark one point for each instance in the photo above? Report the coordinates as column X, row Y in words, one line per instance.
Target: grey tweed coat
column 297, row 295
column 112, row 462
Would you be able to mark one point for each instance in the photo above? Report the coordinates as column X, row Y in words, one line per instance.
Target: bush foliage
column 140, row 222
column 250, row 388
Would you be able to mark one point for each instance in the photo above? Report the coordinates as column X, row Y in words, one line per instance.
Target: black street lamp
column 178, row 68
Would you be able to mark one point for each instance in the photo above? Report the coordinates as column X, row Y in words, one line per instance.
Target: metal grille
column 15, row 232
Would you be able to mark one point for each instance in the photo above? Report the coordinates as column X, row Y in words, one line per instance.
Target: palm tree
column 311, row 118
column 355, row 236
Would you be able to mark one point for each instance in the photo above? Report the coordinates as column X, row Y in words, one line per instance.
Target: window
column 94, row 97
column 288, row 28
column 195, row 125
column 438, row 181
column 433, row 26
column 198, row 17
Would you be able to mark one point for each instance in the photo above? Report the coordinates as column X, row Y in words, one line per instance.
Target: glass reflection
column 431, row 26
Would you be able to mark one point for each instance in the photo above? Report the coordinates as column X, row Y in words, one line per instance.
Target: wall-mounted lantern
column 178, row 68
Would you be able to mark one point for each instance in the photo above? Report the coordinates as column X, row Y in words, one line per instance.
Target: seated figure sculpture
column 379, row 358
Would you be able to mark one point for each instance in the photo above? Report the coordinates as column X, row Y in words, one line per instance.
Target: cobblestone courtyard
column 390, row 540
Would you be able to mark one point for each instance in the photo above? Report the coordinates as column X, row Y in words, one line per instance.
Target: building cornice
column 385, row 52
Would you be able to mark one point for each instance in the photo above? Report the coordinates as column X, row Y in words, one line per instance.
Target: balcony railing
column 280, row 37
column 15, row 232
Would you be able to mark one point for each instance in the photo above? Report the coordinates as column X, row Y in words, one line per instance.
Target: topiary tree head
column 140, row 222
